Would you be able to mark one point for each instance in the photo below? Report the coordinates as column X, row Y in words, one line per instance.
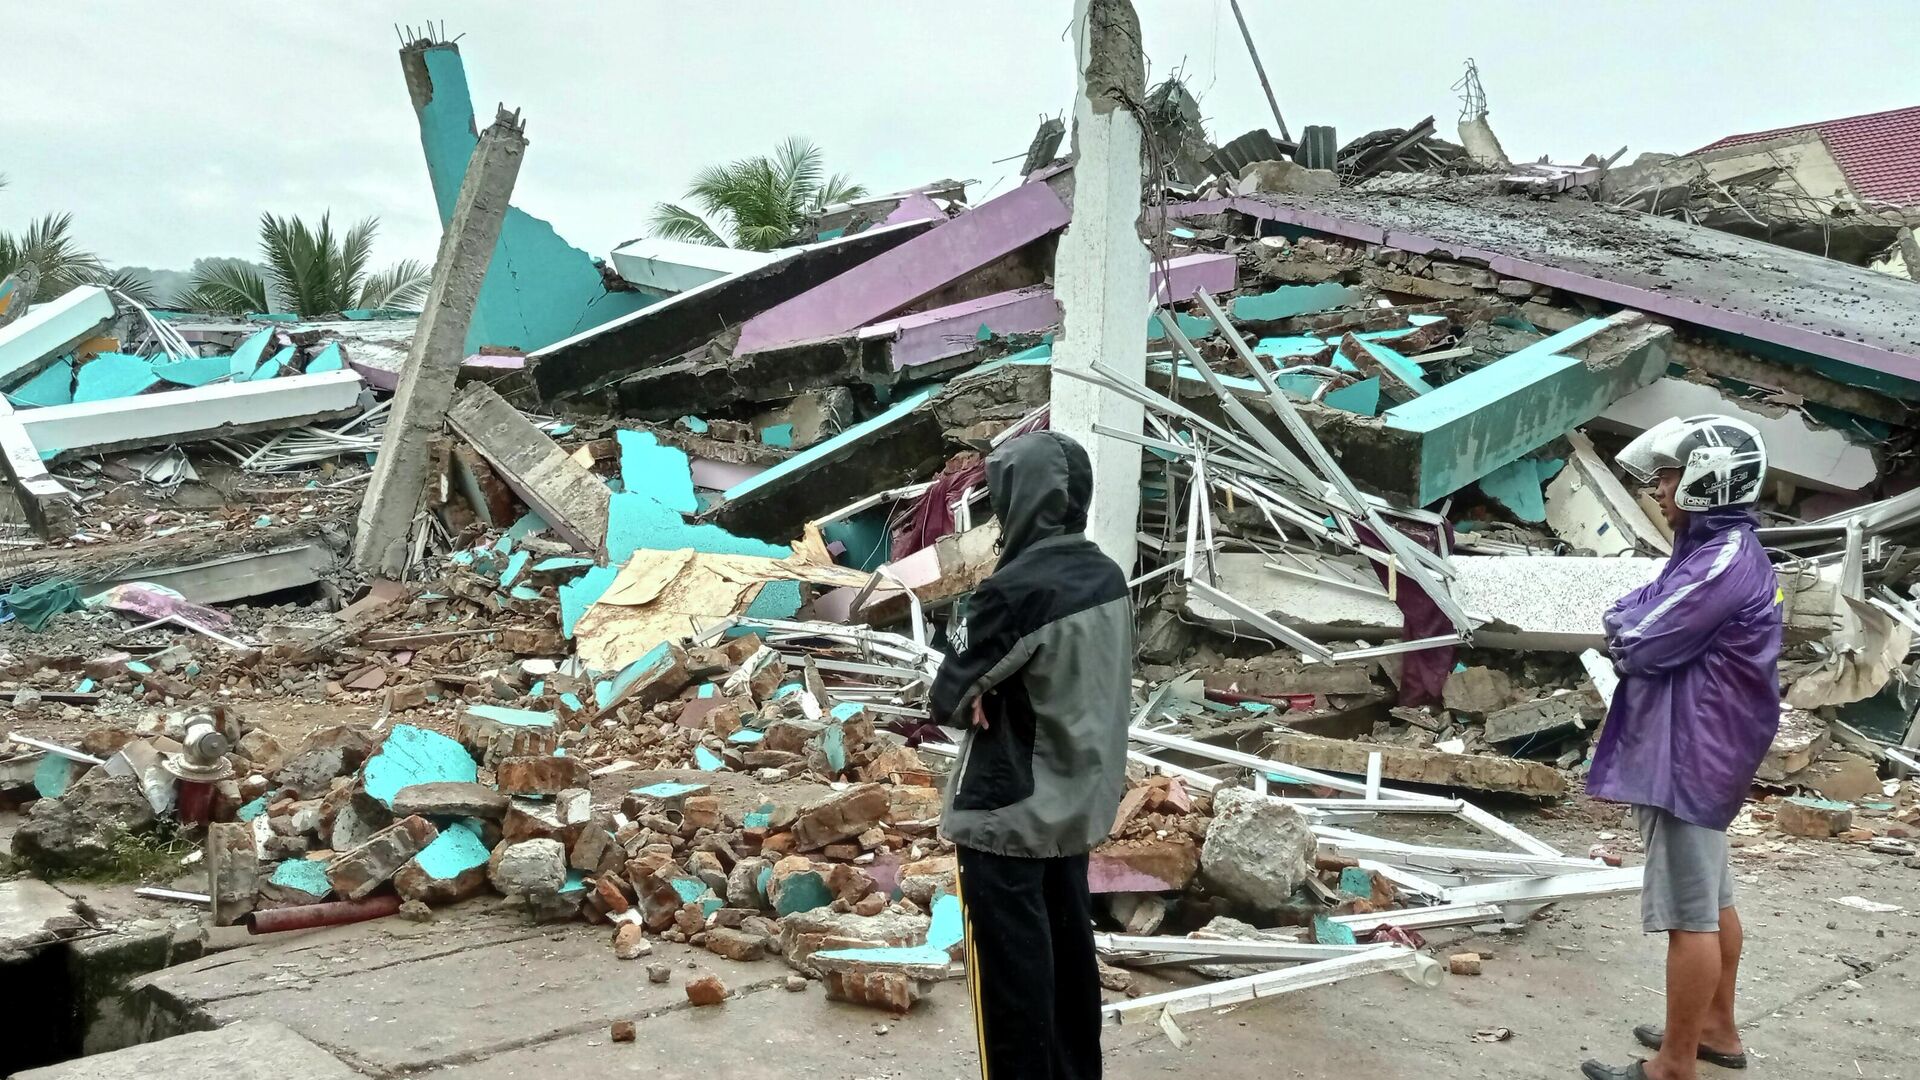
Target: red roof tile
column 1878, row 152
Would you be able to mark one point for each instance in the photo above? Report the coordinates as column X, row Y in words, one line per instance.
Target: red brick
column 706, row 990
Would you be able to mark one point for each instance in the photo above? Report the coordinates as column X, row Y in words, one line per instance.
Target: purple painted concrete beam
column 915, row 207
column 927, row 336
column 1657, row 302
column 887, row 283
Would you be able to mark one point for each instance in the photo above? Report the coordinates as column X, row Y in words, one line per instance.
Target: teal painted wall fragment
column 251, row 810
column 946, row 930
column 658, row 658
column 414, row 755
column 661, row 473
column 195, row 370
column 1516, row 486
column 52, row 386
column 502, row 714
column 539, row 289
column 278, row 364
column 1289, row 300
column 246, row 358
column 571, row 700
column 706, row 760
column 52, row 776
column 746, row 737
column 777, row 435
column 304, row 875
column 868, row 543
column 516, row 562
column 583, row 592
column 1362, row 397
column 1488, row 417
column 327, row 359
column 452, row 853
column 113, row 375
column 1194, row 327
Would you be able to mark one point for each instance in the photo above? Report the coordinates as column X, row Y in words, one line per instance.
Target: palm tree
column 60, row 264
column 758, row 203
column 310, row 271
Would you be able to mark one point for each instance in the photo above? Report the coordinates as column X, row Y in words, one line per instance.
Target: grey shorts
column 1689, row 876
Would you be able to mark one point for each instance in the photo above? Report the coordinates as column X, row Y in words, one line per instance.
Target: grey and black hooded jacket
column 1046, row 642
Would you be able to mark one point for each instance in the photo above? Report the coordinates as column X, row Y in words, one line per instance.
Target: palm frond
column 47, row 244
column 838, row 188
column 796, row 162
column 348, row 279
column 135, row 287
column 228, row 288
column 673, row 222
column 402, row 285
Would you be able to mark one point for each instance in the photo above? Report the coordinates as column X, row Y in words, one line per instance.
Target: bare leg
column 1693, row 978
column 1720, row 1033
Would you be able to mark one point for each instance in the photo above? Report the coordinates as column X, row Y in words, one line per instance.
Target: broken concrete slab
column 249, row 1050
column 567, row 496
column 885, row 451
column 448, row 798
column 451, row 868
column 192, row 415
column 890, row 281
column 49, row 331
column 1542, row 721
column 594, row 359
column 26, row 905
column 675, row 266
column 1588, row 506
column 1703, row 277
column 1408, row 765
column 1799, row 451
column 1473, row 425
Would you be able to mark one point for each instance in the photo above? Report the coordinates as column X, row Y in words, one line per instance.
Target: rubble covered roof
column 1879, row 152
column 1664, row 267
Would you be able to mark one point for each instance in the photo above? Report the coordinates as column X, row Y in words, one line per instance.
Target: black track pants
column 1031, row 969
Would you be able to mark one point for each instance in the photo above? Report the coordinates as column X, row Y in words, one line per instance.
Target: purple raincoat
column 1699, row 697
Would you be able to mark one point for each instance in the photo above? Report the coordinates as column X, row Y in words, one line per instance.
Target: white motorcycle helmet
column 1722, row 461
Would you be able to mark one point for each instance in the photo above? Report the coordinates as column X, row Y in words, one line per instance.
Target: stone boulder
column 1257, row 851
column 76, row 832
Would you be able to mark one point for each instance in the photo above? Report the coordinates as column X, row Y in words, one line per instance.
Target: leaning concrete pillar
column 439, row 344
column 1100, row 270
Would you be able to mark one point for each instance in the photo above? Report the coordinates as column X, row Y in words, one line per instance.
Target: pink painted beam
column 889, row 282
column 954, row 330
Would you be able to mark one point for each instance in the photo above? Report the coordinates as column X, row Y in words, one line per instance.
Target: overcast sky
column 167, row 128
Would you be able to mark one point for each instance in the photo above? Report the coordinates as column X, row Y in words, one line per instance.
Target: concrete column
column 1100, row 271
column 439, row 344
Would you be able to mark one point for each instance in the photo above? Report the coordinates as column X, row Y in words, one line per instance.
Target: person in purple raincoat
column 1697, row 651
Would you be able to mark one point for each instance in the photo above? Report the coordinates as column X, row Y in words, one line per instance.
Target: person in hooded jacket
column 1038, row 672
column 1698, row 704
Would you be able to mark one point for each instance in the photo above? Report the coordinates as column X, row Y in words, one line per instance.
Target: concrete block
column 549, row 775
column 451, row 799
column 1480, row 772
column 1802, row 815
column 451, row 868
column 1257, row 850
column 841, row 816
column 569, row 497
column 412, row 755
column 356, row 873
column 530, row 868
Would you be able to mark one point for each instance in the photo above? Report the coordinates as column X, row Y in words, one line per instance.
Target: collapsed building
column 639, row 570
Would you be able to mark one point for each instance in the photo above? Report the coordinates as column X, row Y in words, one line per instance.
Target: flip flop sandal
column 1593, row 1070
column 1651, row 1037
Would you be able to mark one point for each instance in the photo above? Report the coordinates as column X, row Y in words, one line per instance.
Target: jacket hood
column 1040, row 486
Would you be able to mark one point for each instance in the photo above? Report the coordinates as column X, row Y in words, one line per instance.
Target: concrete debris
column 1257, row 851
column 618, row 591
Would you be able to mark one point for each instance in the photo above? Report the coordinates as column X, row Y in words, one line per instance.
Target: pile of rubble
column 635, row 623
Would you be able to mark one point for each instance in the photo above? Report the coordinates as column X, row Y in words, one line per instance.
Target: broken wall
column 539, row 289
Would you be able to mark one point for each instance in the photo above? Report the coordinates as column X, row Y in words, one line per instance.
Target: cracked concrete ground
column 1828, row 991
